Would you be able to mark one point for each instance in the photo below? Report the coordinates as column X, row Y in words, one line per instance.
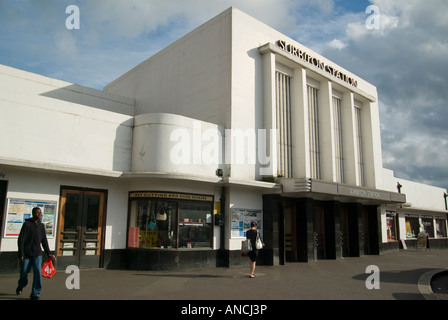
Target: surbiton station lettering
column 316, row 62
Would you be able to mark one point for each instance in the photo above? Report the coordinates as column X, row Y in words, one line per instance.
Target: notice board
column 241, row 220
column 21, row 209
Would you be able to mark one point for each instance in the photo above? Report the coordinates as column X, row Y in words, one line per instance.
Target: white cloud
column 337, row 44
column 67, row 46
column 407, row 59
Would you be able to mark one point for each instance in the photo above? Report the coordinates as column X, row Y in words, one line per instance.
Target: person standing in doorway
column 32, row 236
column 252, row 235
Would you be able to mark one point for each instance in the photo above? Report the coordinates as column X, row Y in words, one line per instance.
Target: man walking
column 31, row 237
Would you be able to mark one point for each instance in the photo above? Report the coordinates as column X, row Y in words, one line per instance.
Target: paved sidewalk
column 343, row 279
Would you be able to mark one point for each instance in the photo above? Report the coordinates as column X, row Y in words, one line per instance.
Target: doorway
column 3, row 192
column 370, row 230
column 349, row 228
column 345, row 232
column 290, row 228
column 80, row 228
column 319, row 233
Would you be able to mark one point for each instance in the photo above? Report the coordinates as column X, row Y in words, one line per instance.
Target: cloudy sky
column 406, row 57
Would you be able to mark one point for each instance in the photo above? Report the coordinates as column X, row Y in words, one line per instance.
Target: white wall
column 29, row 184
column 240, row 198
column 51, row 122
column 421, row 199
column 253, row 92
column 215, row 74
column 167, row 143
column 190, row 77
column 418, row 195
column 247, row 86
column 52, row 125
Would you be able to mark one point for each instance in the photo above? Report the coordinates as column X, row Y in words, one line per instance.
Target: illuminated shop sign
column 302, row 55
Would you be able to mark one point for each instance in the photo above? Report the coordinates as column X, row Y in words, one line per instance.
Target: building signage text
column 365, row 193
column 179, row 196
column 316, row 62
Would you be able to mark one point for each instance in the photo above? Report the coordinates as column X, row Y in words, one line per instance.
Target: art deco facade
column 168, row 165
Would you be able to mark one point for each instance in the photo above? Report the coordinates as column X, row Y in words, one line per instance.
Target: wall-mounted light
column 219, row 172
column 399, row 187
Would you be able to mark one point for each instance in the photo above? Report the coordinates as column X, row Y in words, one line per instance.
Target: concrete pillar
column 326, row 132
column 269, row 112
column 349, row 139
column 300, row 125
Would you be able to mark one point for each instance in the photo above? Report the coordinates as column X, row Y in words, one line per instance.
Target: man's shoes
column 34, row 297
column 19, row 290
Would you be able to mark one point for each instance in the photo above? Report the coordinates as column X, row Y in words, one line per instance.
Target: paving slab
column 342, row 279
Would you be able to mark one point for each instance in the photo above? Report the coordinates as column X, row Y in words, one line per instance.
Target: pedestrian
column 31, row 237
column 252, row 235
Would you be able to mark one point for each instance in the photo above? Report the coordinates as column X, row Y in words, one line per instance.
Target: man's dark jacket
column 32, row 235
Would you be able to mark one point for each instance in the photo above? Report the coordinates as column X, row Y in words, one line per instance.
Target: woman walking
column 252, row 235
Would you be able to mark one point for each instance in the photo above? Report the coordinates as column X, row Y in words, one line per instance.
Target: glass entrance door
column 80, row 231
column 345, row 232
column 289, row 210
column 319, row 233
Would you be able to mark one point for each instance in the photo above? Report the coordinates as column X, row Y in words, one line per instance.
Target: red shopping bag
column 48, row 269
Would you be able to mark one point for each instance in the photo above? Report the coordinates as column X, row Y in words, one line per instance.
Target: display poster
column 241, row 219
column 19, row 210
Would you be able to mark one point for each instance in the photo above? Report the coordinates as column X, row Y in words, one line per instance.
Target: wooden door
column 80, row 228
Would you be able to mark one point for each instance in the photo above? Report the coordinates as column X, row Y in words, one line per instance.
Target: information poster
column 241, row 219
column 19, row 210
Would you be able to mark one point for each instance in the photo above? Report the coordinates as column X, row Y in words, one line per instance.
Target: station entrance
column 304, row 230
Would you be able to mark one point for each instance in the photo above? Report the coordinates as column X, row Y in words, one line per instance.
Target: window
column 391, row 223
column 337, row 119
column 441, row 228
column 195, row 224
column 313, row 115
column 283, row 109
column 156, row 221
column 166, row 223
column 359, row 145
column 428, row 225
column 412, row 227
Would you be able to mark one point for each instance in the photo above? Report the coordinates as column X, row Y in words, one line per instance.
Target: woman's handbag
column 152, row 221
column 258, row 243
column 246, row 246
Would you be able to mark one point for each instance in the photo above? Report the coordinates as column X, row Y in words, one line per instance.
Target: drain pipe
column 222, row 219
column 222, row 214
column 445, row 196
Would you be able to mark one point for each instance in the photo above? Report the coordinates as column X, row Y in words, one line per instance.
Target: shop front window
column 155, row 223
column 165, row 223
column 391, row 227
column 194, row 225
column 428, row 225
column 412, row 227
column 441, row 228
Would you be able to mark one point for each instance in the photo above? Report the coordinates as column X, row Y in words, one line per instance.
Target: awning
column 323, row 190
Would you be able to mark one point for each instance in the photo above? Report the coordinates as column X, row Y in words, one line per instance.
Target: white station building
column 168, row 165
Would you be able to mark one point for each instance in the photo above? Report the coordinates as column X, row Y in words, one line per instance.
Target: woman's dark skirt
column 253, row 255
